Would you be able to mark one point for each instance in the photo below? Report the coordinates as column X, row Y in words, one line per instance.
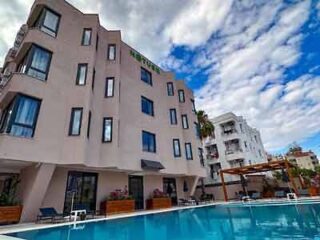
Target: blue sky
column 257, row 58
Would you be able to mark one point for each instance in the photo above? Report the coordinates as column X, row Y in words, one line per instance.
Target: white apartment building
column 234, row 144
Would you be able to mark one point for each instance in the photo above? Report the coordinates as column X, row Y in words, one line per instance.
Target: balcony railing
column 228, row 131
column 4, row 79
column 233, row 151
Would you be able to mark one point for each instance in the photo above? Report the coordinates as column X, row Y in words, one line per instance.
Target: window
column 197, row 129
column 86, row 37
column 20, row 117
column 82, row 74
column 75, row 122
column 176, row 148
column 170, row 89
column 193, row 105
column 146, row 76
column 93, row 78
column 107, row 130
column 147, row 106
column 36, row 63
column 185, row 124
column 181, row 96
column 89, row 124
column 188, row 151
column 109, row 91
column 173, row 116
column 48, row 22
column 148, row 142
column 111, row 52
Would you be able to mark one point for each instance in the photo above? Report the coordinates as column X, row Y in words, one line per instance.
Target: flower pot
column 10, row 214
column 159, row 203
column 313, row 191
column 117, row 206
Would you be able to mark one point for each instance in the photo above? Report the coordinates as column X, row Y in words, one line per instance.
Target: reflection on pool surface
column 215, row 222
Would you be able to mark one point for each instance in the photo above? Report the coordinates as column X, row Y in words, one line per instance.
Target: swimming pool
column 229, row 221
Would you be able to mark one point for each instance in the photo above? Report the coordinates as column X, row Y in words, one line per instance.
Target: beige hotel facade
column 83, row 112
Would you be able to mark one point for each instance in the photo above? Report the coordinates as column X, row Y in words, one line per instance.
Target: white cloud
column 250, row 60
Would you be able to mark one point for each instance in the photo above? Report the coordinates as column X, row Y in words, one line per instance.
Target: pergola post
column 291, row 178
column 224, row 187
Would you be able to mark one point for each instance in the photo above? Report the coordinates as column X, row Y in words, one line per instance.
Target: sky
column 257, row 58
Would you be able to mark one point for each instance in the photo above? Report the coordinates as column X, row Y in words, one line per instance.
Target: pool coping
column 34, row 226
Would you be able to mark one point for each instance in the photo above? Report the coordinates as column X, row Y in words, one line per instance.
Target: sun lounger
column 185, row 202
column 304, row 192
column 279, row 194
column 90, row 214
column 256, row 195
column 50, row 214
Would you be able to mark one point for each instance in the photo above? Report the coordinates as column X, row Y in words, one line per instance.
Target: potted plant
column 10, row 209
column 119, row 201
column 158, row 200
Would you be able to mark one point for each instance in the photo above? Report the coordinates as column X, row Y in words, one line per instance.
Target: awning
column 151, row 165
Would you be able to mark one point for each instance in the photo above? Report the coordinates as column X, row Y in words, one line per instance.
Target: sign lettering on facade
column 144, row 61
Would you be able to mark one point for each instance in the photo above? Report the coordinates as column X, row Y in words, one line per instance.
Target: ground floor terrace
column 61, row 187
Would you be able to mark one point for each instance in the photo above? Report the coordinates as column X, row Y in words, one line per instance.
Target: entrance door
column 136, row 190
column 82, row 187
column 170, row 188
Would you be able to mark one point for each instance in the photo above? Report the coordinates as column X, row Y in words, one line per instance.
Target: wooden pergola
column 258, row 168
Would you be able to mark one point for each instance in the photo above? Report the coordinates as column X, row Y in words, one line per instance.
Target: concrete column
column 35, row 181
column 194, row 185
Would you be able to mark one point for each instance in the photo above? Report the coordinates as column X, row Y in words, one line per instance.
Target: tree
column 206, row 127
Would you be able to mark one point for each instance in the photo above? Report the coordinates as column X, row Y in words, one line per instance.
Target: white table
column 76, row 213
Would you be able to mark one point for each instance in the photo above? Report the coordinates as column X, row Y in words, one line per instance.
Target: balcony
column 232, row 155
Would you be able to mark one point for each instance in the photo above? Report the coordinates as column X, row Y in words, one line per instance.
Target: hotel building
column 83, row 112
column 234, row 144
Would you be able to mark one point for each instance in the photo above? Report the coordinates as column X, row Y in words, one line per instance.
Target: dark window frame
column 187, row 121
column 83, row 36
column 168, row 92
column 149, row 101
column 97, row 42
column 193, row 105
column 175, row 116
column 104, row 128
column 28, row 58
column 115, row 51
column 39, row 22
column 14, row 104
column 78, row 74
column 73, row 110
column 89, row 125
column 184, row 97
column 149, row 73
column 93, row 79
column 174, row 149
column 155, row 142
column 188, row 157
column 107, row 87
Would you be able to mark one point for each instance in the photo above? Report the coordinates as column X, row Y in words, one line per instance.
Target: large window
column 48, row 22
column 181, row 96
column 188, row 151
column 82, row 74
column 86, row 37
column 185, row 124
column 173, row 116
column 193, row 105
column 109, row 91
column 196, row 129
column 20, row 117
column 170, row 89
column 36, row 63
column 107, row 130
column 147, row 106
column 75, row 122
column 111, row 52
column 146, row 76
column 148, row 142
column 176, row 148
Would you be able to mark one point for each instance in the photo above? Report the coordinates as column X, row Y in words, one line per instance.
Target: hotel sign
column 144, row 61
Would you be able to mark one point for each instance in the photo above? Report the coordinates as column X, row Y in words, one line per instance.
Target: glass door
column 170, row 188
column 81, row 189
column 136, row 190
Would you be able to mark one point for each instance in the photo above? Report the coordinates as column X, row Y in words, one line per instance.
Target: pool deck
column 7, row 229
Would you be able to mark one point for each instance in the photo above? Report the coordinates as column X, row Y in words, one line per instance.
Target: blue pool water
column 237, row 221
